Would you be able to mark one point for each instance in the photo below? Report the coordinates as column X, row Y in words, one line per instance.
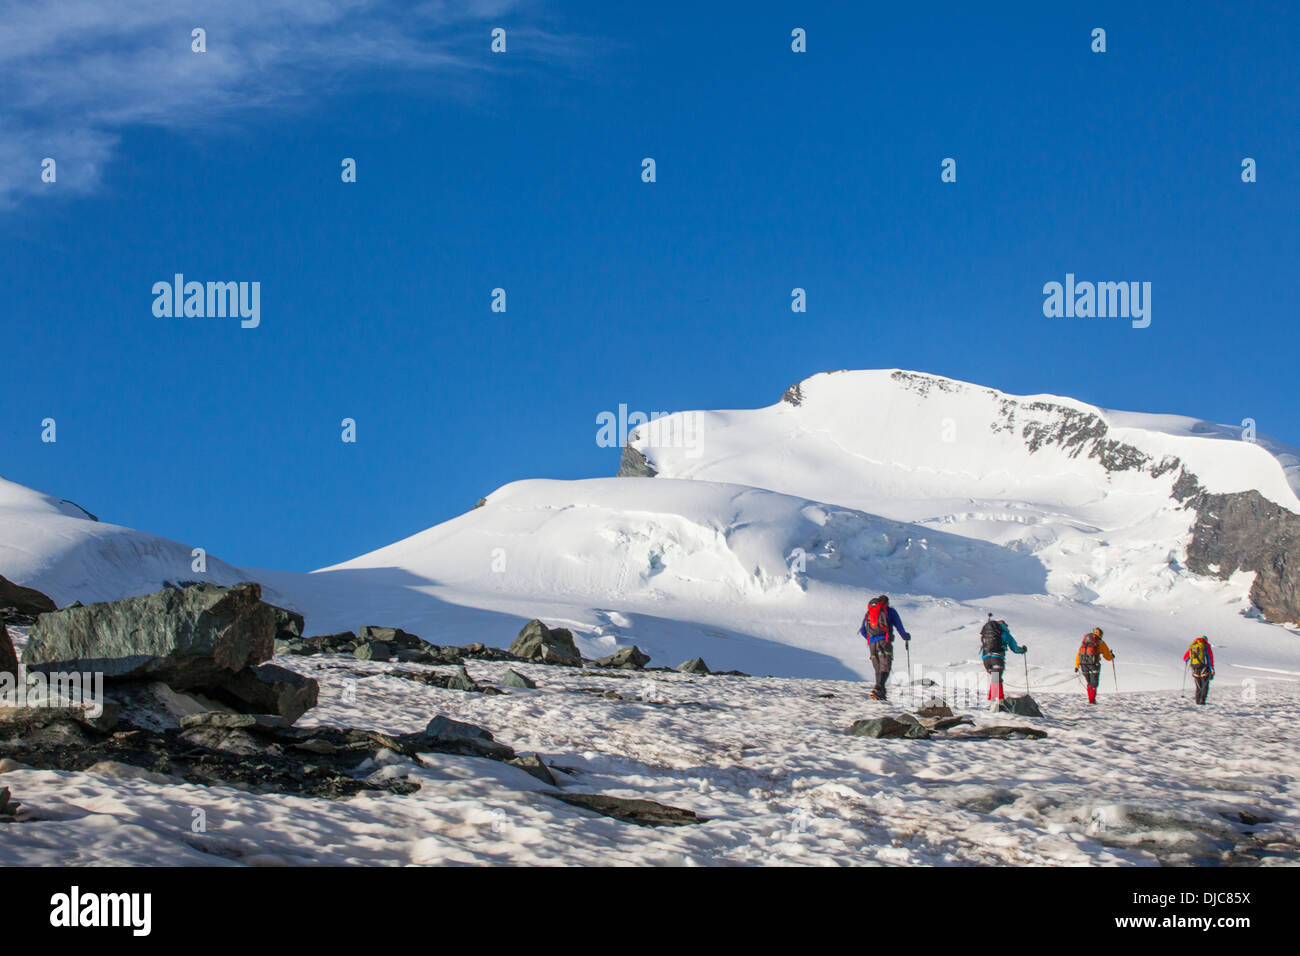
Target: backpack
column 1089, row 655
column 1197, row 657
column 991, row 638
column 877, row 620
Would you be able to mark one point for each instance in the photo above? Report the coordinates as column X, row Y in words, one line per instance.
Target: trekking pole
column 1025, row 655
column 1183, row 689
column 1115, row 674
column 907, row 645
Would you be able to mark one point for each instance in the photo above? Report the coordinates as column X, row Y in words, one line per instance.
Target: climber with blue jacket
column 878, row 627
column 995, row 639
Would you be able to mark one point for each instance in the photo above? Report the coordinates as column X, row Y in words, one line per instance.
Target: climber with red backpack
column 1088, row 660
column 878, row 627
column 995, row 639
column 1200, row 657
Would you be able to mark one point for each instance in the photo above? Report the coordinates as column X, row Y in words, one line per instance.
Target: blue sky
column 775, row 170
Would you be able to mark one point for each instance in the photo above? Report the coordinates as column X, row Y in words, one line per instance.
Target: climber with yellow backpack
column 1200, row 658
column 1089, row 658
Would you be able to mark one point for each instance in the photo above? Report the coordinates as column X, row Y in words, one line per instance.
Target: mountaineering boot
column 1092, row 695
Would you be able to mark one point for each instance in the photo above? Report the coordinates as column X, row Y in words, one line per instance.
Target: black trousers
column 1092, row 675
column 882, row 659
column 1202, row 687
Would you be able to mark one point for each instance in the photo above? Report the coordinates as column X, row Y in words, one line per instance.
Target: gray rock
column 232, row 721
column 934, row 708
column 634, row 464
column 289, row 625
column 23, row 600
column 461, row 681
column 194, row 637
column 515, row 679
column 269, row 689
column 532, row 764
column 629, row 658
column 888, row 727
column 1021, row 706
column 373, row 651
column 644, row 813
column 455, row 736
column 392, row 636
column 695, row 665
column 1244, row 531
column 537, row 642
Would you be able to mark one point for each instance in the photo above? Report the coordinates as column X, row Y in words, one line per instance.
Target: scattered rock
column 934, row 708
column 515, row 679
column 269, row 689
column 888, row 727
column 695, row 665
column 461, row 681
column 1000, row 733
column 532, row 764
column 289, row 625
column 629, row 658
column 232, row 721
column 373, row 651
column 454, row 736
column 537, row 642
column 1021, row 706
column 644, row 813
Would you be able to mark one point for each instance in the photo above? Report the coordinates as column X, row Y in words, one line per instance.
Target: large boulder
column 629, row 658
column 191, row 637
column 695, row 665
column 23, row 600
column 537, row 642
column 268, row 689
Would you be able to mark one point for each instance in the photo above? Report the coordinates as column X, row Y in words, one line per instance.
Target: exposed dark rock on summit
column 1245, row 531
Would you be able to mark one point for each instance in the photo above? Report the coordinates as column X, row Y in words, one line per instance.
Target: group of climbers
column 881, row 623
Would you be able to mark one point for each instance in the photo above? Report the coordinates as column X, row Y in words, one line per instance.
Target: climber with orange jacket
column 1088, row 660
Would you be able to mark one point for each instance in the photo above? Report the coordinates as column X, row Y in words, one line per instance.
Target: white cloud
column 73, row 74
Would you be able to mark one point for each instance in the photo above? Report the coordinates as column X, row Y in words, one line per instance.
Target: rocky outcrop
column 206, row 640
column 634, row 464
column 537, row 642
column 1245, row 531
column 251, row 752
column 193, row 637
